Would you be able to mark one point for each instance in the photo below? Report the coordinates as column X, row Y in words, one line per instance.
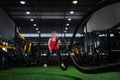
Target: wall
column 7, row 26
column 104, row 18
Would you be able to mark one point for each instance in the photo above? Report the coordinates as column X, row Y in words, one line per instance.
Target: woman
column 53, row 48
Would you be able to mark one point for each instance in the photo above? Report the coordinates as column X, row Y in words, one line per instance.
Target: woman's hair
column 54, row 32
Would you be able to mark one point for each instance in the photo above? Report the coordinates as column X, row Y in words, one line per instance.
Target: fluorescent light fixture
column 69, row 19
column 102, row 35
column 75, row 1
column 111, row 35
column 66, row 28
column 49, row 35
column 118, row 27
column 31, row 19
column 27, row 12
column 71, row 12
column 37, row 29
column 22, row 2
column 67, row 24
column 34, row 24
column 65, row 31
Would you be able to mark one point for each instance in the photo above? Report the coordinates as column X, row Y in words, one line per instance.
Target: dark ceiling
column 48, row 15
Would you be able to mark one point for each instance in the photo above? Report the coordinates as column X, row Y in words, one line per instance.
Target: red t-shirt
column 52, row 45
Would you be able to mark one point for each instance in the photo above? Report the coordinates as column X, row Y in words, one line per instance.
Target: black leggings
column 58, row 54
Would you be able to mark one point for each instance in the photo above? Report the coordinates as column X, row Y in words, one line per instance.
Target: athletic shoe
column 45, row 65
column 62, row 65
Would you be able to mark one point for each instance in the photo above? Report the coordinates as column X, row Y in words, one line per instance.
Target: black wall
column 7, row 26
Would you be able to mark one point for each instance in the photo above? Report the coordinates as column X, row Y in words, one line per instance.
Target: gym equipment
column 106, row 56
column 82, row 23
column 64, row 54
column 4, row 60
column 21, row 48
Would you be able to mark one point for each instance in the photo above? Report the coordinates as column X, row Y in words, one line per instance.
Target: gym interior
column 86, row 31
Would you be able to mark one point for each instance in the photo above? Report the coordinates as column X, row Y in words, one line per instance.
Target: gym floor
column 53, row 73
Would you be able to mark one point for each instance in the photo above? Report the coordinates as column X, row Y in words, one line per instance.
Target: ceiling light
column 66, row 28
column 22, row 2
column 67, row 24
column 69, row 19
column 71, row 12
column 118, row 27
column 75, row 1
column 34, row 24
column 27, row 12
column 31, row 19
column 37, row 29
column 65, row 31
